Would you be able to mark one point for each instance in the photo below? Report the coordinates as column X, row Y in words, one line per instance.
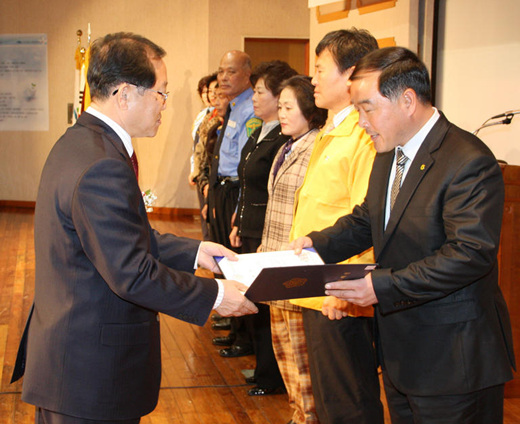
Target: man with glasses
column 91, row 349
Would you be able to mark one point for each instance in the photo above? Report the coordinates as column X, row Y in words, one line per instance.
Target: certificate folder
column 302, row 281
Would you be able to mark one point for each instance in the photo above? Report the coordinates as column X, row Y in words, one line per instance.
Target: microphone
column 508, row 117
column 503, row 115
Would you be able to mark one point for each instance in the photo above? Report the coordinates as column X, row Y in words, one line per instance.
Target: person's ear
column 123, row 96
column 350, row 71
column 409, row 100
column 348, row 74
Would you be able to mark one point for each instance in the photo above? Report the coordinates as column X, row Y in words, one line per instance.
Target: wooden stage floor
column 198, row 386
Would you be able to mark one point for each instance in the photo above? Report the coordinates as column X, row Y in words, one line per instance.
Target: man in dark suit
column 434, row 219
column 91, row 351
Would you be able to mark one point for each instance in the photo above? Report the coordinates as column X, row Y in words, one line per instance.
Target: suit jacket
column 256, row 160
column 93, row 341
column 442, row 322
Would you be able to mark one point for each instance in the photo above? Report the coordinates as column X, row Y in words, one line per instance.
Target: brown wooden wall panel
column 509, row 261
column 291, row 50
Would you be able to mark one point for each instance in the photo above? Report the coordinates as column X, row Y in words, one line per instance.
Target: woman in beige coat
column 299, row 118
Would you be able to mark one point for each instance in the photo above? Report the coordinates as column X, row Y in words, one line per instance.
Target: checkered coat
column 279, row 213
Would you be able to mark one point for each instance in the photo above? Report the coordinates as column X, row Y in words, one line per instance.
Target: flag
column 79, row 81
column 86, row 91
column 81, row 90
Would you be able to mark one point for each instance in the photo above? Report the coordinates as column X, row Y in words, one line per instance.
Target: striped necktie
column 399, row 169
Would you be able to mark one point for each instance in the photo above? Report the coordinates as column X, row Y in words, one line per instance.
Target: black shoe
column 235, row 351
column 223, row 341
column 224, row 324
column 264, row 391
column 251, row 380
column 217, row 317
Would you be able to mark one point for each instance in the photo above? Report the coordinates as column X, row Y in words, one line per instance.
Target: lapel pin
column 423, row 166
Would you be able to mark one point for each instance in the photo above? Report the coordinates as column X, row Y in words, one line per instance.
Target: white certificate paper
column 249, row 265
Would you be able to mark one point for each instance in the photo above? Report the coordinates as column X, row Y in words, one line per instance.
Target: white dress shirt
column 410, row 149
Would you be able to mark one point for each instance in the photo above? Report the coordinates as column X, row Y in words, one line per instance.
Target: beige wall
column 233, row 20
column 478, row 72
column 400, row 22
column 479, row 67
column 194, row 33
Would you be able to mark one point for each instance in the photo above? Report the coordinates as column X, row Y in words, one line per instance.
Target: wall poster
column 24, row 88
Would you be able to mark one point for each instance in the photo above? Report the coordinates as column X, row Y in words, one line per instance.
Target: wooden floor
column 198, row 386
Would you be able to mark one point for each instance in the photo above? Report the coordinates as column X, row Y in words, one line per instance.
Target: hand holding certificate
column 360, row 291
column 284, row 275
column 249, row 265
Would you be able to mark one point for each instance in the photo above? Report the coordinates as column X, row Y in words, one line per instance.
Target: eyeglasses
column 163, row 95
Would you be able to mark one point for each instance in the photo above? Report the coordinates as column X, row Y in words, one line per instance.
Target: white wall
column 479, row 69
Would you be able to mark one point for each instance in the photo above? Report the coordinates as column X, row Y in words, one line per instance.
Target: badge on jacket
column 252, row 125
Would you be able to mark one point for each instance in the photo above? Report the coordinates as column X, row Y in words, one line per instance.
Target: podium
column 509, row 263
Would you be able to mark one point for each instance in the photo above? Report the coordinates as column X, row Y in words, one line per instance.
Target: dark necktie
column 399, row 169
column 133, row 158
column 286, row 149
column 213, row 172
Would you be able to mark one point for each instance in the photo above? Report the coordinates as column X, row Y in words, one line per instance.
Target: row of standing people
column 432, row 212
column 292, row 179
column 426, row 208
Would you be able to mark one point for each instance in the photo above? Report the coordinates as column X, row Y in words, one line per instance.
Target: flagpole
column 78, row 89
column 86, row 94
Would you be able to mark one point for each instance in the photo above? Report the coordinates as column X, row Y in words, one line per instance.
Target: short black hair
column 273, row 74
column 347, row 46
column 400, row 69
column 304, row 92
column 121, row 57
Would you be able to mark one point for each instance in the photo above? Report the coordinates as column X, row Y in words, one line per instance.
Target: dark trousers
column 484, row 406
column 203, row 222
column 343, row 369
column 258, row 328
column 44, row 416
column 267, row 373
column 222, row 203
column 240, row 332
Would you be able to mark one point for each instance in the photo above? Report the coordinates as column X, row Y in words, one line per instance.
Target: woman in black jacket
column 258, row 154
column 253, row 171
